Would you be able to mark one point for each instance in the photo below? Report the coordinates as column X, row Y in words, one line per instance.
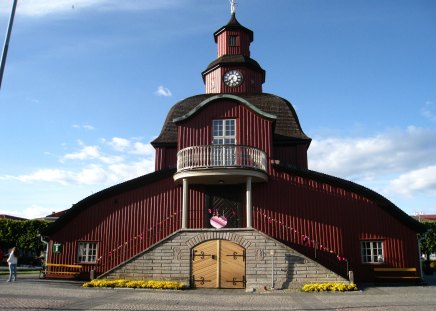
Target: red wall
column 243, row 43
column 251, row 129
column 127, row 224
column 294, row 210
column 295, row 155
column 123, row 225
column 251, row 83
column 166, row 157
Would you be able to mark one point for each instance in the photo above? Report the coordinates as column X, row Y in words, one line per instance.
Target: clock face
column 232, row 78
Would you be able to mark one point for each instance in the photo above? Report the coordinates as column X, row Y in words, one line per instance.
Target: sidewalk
column 32, row 293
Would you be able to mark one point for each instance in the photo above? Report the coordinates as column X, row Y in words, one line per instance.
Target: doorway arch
column 218, row 264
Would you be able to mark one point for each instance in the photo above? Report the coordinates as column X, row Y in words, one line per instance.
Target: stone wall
column 170, row 259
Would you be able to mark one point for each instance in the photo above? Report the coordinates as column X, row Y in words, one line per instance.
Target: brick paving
column 30, row 293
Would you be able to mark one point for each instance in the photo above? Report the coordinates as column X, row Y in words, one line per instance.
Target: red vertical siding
column 298, row 211
column 295, row 155
column 242, row 46
column 123, row 225
column 196, row 207
column 252, row 129
column 251, row 83
column 213, row 81
column 166, row 157
column 303, row 213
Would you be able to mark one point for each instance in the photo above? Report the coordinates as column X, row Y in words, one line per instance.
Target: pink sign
column 218, row 221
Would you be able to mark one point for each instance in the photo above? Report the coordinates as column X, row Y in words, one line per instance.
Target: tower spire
column 232, row 6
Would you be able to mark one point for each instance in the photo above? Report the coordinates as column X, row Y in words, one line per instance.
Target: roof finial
column 232, row 6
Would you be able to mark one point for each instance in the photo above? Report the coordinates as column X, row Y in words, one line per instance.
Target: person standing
column 12, row 261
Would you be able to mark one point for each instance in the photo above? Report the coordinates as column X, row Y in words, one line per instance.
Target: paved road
column 30, row 293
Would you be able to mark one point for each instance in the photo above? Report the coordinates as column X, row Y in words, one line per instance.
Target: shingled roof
column 286, row 128
column 233, row 24
column 234, row 60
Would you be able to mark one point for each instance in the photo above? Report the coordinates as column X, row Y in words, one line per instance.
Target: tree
column 428, row 243
column 23, row 233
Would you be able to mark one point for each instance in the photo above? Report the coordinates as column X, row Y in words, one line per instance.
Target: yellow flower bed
column 135, row 284
column 333, row 287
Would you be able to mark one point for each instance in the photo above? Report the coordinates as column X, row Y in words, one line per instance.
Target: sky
column 88, row 84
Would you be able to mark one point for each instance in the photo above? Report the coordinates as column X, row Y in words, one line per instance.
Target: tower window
column 233, row 40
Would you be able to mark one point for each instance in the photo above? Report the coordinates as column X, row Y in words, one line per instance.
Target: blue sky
column 88, row 84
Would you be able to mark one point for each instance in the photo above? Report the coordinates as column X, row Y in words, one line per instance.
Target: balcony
column 218, row 164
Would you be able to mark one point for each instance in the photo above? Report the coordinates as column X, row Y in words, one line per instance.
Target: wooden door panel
column 205, row 265
column 218, row 264
column 232, row 262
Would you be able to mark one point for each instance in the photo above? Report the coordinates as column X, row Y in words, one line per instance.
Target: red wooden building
column 232, row 202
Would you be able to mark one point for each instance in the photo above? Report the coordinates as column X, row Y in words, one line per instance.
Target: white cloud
column 32, row 212
column 399, row 158
column 429, row 111
column 46, row 175
column 143, row 149
column 126, row 171
column 132, row 146
column 88, row 127
column 421, row 180
column 87, row 152
column 84, row 126
column 111, row 159
column 163, row 91
column 39, row 8
column 119, row 144
column 36, row 211
column 96, row 165
column 93, row 174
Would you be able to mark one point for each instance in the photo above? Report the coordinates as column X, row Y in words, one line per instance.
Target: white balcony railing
column 217, row 156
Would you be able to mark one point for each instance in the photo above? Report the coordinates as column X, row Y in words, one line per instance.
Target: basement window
column 87, row 252
column 372, row 251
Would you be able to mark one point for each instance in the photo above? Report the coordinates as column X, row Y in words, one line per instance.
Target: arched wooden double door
column 218, row 264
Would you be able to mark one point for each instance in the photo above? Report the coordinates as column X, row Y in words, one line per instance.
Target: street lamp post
column 272, row 253
column 6, row 45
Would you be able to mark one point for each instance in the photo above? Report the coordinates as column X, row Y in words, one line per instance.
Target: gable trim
column 224, row 96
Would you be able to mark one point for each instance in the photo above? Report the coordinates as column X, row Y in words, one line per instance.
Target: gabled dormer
column 233, row 71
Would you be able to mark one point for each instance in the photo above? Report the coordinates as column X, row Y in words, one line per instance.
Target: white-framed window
column 87, row 252
column 372, row 251
column 224, row 132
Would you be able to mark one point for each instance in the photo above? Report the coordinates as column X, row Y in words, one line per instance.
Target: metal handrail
column 213, row 156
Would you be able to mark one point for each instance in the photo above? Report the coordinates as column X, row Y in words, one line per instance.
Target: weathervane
column 232, row 6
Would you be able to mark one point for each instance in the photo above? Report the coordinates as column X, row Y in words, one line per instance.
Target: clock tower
column 233, row 71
